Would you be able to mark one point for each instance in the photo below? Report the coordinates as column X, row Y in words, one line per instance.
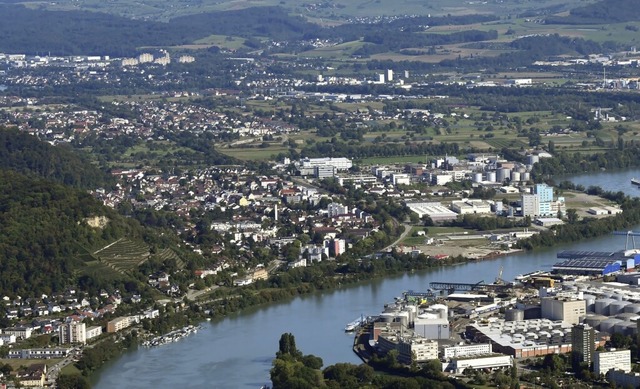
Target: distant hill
column 33, row 31
column 26, row 154
column 602, row 12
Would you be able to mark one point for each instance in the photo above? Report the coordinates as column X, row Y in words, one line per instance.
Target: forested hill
column 25, row 153
column 602, row 12
column 43, row 232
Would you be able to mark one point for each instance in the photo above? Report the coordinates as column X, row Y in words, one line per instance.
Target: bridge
column 480, row 286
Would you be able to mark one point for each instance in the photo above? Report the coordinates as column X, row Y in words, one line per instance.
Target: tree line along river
column 236, row 351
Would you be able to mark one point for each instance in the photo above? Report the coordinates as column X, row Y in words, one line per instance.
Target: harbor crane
column 499, row 280
column 628, row 234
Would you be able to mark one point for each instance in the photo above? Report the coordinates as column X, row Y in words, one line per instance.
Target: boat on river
column 354, row 325
column 635, row 181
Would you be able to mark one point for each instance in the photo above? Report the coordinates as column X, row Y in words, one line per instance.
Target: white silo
column 602, row 306
column 491, row 176
column 477, row 177
column 609, row 324
column 515, row 177
column 617, row 307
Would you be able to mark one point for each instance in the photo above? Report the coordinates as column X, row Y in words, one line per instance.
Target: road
column 407, row 231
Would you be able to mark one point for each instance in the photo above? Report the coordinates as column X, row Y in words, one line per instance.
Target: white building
column 145, row 58
column 468, row 206
column 604, row 361
column 566, row 309
column 436, row 211
column 335, row 209
column 494, row 361
column 423, row 350
column 93, row 332
column 400, row 179
column 18, row 332
column 338, row 163
column 73, row 332
column 467, row 350
column 432, row 328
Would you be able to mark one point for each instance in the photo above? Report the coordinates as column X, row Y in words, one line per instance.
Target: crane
column 628, row 234
column 499, row 280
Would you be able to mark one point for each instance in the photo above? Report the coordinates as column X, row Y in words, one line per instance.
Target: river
column 236, row 352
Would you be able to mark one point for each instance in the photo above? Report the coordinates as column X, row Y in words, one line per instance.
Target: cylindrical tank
column 502, row 174
column 632, row 308
column 594, row 320
column 477, row 177
column 606, row 295
column 617, row 297
column 590, row 301
column 387, row 317
column 514, row 315
column 628, row 316
column 491, row 176
column 632, row 329
column 441, row 309
column 515, row 177
column 531, row 159
column 617, row 307
column 607, row 325
column 602, row 306
column 620, row 328
column 526, row 176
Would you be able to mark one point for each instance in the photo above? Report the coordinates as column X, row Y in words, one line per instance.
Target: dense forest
column 78, row 32
column 26, row 154
column 43, row 230
column 602, row 12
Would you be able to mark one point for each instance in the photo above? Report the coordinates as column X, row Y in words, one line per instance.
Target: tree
column 72, row 381
column 572, row 215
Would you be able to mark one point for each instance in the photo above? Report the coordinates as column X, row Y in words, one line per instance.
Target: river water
column 236, row 352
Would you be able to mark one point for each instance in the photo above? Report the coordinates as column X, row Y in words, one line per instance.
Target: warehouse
column 588, row 266
column 436, row 211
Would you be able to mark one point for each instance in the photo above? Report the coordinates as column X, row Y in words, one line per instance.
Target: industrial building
column 566, row 309
column 436, row 211
column 490, row 362
column 522, row 339
column 467, row 350
column 603, row 361
column 468, row 206
column 588, row 266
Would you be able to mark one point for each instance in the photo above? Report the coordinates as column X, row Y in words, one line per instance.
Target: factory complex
column 576, row 308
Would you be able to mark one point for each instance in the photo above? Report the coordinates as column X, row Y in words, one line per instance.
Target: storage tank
column 632, row 308
column 606, row 295
column 531, row 159
column 620, row 328
column 617, row 297
column 526, row 176
column 477, row 177
column 491, row 176
column 515, row 177
column 502, row 174
column 387, row 317
column 627, row 316
column 632, row 329
column 441, row 309
column 594, row 320
column 617, row 307
column 607, row 325
column 590, row 301
column 514, row 315
column 602, row 306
